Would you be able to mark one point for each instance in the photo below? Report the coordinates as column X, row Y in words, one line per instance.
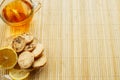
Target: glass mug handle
column 36, row 6
column 1, row 2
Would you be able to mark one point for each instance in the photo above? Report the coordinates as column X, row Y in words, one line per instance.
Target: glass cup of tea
column 18, row 14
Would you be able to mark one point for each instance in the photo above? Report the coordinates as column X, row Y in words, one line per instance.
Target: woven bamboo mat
column 81, row 39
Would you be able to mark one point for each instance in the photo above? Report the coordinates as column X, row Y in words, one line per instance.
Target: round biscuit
column 25, row 59
column 40, row 62
column 18, row 44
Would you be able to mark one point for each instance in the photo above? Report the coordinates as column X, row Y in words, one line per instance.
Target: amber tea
column 18, row 14
column 17, row 11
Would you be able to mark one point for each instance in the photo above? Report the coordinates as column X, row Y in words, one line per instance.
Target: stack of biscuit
column 30, row 52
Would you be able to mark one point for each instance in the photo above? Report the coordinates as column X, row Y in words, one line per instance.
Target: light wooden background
column 81, row 39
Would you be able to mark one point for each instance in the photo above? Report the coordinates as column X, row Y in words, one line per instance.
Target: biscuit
column 40, row 62
column 18, row 44
column 30, row 47
column 28, row 37
column 25, row 59
column 38, row 50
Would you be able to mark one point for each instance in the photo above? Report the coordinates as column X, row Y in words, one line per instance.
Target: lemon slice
column 8, row 58
column 18, row 74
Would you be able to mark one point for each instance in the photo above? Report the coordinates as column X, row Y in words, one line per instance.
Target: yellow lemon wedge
column 18, row 74
column 8, row 58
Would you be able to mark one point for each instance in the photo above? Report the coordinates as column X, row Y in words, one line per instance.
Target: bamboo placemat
column 81, row 39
